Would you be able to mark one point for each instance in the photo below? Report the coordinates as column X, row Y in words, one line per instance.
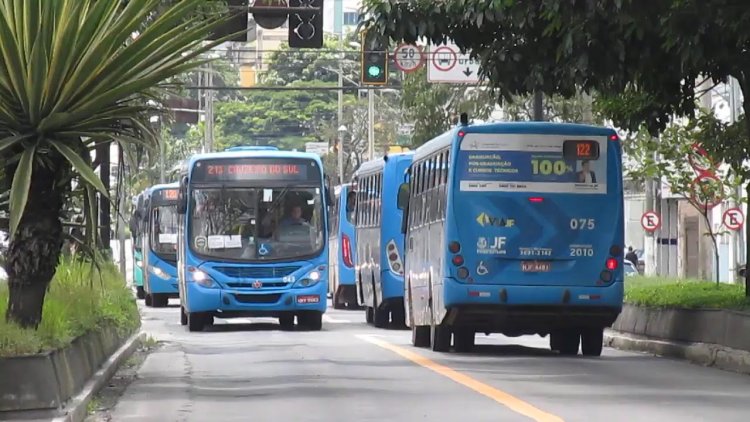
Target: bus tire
column 569, row 342
column 381, row 317
column 555, row 341
column 420, row 335
column 440, row 338
column 337, row 302
column 149, row 300
column 311, row 320
column 369, row 314
column 159, row 300
column 463, row 340
column 140, row 293
column 592, row 341
column 183, row 316
column 398, row 316
column 286, row 321
column 196, row 321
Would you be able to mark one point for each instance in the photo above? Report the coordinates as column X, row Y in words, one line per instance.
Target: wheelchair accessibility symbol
column 482, row 269
column 263, row 250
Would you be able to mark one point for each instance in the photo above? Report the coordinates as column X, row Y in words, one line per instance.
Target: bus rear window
column 533, row 163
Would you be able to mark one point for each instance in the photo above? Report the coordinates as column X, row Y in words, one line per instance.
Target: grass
column 79, row 299
column 662, row 292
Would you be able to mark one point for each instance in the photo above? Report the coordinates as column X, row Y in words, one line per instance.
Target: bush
column 80, row 298
column 675, row 293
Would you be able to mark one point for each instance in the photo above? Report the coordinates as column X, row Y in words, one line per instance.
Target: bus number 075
column 582, row 224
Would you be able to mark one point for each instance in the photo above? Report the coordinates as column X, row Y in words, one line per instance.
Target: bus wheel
column 420, row 335
column 286, row 321
column 592, row 340
column 569, row 342
column 149, row 300
column 381, row 316
column 311, row 320
column 139, row 292
column 337, row 302
column 440, row 337
column 196, row 321
column 398, row 317
column 183, row 316
column 159, row 300
column 463, row 340
column 369, row 314
column 555, row 341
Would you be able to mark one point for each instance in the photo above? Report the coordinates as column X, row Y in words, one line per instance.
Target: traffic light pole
column 371, row 124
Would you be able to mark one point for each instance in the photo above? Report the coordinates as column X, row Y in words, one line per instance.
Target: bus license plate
column 535, row 266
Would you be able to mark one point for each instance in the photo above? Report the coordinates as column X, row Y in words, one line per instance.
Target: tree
column 75, row 76
column 434, row 108
column 653, row 52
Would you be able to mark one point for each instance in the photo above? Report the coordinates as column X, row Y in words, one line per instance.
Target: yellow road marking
column 513, row 403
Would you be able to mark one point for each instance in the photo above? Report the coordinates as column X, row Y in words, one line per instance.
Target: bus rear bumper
column 519, row 310
column 230, row 303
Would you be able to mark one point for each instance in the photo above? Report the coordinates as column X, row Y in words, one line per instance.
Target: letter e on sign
column 650, row 221
column 733, row 218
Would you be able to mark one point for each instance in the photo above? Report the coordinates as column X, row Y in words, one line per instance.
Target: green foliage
column 434, row 108
column 675, row 293
column 80, row 299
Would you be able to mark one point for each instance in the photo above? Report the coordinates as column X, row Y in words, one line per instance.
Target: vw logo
column 257, row 284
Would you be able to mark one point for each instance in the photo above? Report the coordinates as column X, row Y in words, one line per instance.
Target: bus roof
column 377, row 164
column 160, row 186
column 252, row 154
column 540, row 128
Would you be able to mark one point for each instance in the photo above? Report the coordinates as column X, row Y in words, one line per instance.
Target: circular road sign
column 408, row 57
column 650, row 220
column 444, row 58
column 733, row 218
column 706, row 191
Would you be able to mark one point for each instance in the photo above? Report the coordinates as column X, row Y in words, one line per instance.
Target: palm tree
column 75, row 74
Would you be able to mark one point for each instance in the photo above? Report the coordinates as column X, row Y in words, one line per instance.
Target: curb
column 76, row 409
column 706, row 354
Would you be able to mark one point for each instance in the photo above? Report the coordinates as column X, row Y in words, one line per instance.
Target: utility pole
column 209, row 135
column 538, row 106
column 736, row 245
column 162, row 153
column 371, row 124
column 121, row 224
column 340, row 150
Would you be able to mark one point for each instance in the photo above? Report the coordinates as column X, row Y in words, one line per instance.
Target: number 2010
column 582, row 224
column 581, row 252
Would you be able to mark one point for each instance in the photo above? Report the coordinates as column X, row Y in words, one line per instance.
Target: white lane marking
column 332, row 320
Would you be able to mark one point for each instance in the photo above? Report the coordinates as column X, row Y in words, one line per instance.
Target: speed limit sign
column 408, row 57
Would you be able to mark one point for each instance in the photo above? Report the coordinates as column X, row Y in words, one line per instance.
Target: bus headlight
column 200, row 277
column 159, row 273
column 312, row 279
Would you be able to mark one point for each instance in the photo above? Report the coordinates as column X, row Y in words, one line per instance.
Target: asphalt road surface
column 250, row 370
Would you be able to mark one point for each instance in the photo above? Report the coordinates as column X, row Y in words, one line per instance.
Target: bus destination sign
column 164, row 197
column 255, row 169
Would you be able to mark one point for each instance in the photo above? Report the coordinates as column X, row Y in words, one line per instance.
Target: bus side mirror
column 351, row 201
column 403, row 196
column 182, row 197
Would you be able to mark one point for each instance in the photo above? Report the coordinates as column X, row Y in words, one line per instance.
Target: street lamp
column 342, row 133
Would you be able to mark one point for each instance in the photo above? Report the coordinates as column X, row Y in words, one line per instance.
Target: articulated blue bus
column 380, row 242
column 159, row 244
column 514, row 228
column 253, row 240
column 341, row 282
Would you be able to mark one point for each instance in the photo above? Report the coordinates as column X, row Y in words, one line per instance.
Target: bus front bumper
column 255, row 303
column 520, row 310
column 158, row 285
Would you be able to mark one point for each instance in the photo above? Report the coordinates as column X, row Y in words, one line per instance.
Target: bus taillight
column 454, row 247
column 458, row 260
column 394, row 259
column 611, row 264
column 536, row 199
column 614, row 138
column 346, row 251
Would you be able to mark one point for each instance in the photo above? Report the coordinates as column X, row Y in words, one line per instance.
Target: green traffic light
column 373, row 71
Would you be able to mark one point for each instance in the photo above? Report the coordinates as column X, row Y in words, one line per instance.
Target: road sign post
column 446, row 64
column 650, row 221
column 733, row 218
column 408, row 58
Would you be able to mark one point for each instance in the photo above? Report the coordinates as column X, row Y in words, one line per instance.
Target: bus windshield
column 256, row 224
column 164, row 232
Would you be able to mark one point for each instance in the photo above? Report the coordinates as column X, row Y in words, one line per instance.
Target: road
column 250, row 370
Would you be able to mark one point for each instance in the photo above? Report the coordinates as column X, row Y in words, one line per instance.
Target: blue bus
column 253, row 241
column 514, row 228
column 136, row 245
column 341, row 282
column 159, row 244
column 380, row 242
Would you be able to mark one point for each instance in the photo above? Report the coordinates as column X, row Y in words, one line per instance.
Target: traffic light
column 306, row 30
column 374, row 61
column 238, row 22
